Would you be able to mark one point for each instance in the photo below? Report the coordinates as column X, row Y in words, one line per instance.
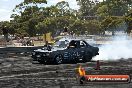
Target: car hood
column 52, row 49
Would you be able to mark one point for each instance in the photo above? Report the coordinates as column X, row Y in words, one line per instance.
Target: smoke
column 119, row 47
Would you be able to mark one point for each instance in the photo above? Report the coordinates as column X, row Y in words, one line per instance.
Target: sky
column 6, row 7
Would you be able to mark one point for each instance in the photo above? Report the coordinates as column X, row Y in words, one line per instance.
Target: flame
column 81, row 71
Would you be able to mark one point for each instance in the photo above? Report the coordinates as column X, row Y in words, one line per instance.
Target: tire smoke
column 120, row 47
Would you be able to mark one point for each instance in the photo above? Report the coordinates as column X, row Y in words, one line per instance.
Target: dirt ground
column 21, row 72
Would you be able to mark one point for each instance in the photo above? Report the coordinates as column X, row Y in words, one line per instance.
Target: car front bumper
column 42, row 58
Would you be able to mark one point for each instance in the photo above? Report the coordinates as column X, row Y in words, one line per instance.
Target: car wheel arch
column 60, row 57
column 88, row 56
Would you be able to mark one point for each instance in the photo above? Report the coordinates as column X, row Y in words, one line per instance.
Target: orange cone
column 97, row 65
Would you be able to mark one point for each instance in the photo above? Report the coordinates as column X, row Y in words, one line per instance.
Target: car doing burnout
column 66, row 51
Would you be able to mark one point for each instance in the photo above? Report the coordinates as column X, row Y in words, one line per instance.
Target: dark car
column 66, row 51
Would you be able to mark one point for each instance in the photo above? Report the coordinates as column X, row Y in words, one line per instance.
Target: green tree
column 64, row 9
column 29, row 16
column 54, row 24
column 111, row 24
column 102, row 11
column 128, row 20
column 117, row 7
column 85, row 7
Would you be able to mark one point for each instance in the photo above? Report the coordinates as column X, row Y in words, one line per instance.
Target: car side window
column 72, row 44
column 82, row 44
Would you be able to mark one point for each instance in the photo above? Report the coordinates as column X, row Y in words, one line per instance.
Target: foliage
column 128, row 20
column 34, row 18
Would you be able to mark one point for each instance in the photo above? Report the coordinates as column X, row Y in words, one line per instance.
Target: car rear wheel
column 87, row 59
column 58, row 59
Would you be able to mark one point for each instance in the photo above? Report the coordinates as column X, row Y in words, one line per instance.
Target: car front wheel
column 58, row 59
column 87, row 59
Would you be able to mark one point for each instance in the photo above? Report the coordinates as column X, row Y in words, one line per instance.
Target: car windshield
column 61, row 44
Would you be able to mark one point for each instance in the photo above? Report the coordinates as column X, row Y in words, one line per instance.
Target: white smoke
column 119, row 47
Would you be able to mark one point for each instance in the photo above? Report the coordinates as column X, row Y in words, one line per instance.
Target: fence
column 6, row 50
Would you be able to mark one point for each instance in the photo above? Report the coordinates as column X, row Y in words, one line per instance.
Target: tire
column 58, row 59
column 87, row 59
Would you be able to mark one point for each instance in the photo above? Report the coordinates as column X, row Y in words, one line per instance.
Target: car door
column 70, row 53
column 80, row 50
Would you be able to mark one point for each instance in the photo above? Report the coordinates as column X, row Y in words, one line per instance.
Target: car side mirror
column 49, row 48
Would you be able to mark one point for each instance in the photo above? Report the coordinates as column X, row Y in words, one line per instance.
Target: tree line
column 93, row 17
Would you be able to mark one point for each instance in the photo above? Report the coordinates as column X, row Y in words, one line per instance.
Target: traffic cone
column 97, row 65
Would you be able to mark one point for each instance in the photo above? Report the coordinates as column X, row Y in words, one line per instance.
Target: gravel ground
column 20, row 72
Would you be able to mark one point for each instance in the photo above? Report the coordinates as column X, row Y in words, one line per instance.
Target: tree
column 102, row 11
column 54, row 24
column 77, row 27
column 26, row 3
column 33, row 19
column 7, row 25
column 111, row 24
column 32, row 16
column 85, row 7
column 128, row 20
column 29, row 16
column 117, row 7
column 51, row 11
column 64, row 9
